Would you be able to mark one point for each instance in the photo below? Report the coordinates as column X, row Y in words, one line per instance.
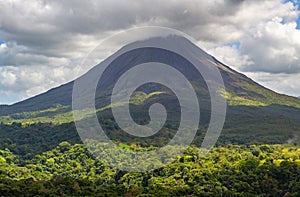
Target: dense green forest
column 48, row 159
column 232, row 170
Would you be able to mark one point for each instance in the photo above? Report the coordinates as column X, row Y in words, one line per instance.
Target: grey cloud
column 54, row 29
column 47, row 23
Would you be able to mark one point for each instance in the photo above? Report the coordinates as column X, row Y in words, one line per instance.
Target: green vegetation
column 139, row 98
column 57, row 115
column 46, row 160
column 70, row 170
column 234, row 100
column 62, row 114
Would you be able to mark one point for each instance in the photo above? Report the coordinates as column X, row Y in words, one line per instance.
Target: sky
column 42, row 42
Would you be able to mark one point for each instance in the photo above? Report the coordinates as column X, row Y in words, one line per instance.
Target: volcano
column 255, row 114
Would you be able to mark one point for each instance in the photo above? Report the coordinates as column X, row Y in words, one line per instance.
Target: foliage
column 70, row 170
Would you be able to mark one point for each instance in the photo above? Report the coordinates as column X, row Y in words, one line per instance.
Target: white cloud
column 31, row 80
column 8, row 78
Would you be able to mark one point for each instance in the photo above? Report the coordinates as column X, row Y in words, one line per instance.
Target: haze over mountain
column 255, row 113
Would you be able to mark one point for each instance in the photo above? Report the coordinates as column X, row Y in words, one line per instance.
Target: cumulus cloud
column 44, row 40
column 274, row 46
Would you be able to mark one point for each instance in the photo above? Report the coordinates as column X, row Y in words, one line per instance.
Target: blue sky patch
column 298, row 20
column 295, row 2
column 237, row 44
